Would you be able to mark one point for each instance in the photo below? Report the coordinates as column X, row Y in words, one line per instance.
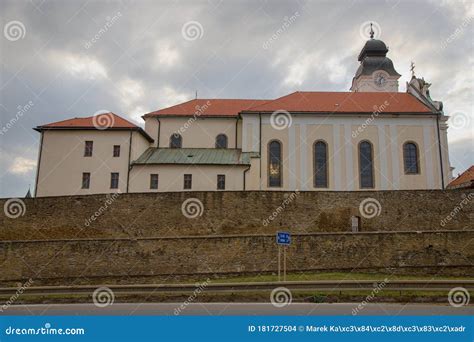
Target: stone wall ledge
column 244, row 236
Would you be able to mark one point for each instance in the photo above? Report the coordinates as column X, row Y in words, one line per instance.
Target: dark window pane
column 221, row 182
column 274, row 164
column 88, row 149
column 116, row 150
column 154, row 181
column 410, row 158
column 188, row 181
column 221, row 141
column 114, row 180
column 366, row 165
column 320, row 165
column 176, row 141
column 86, row 180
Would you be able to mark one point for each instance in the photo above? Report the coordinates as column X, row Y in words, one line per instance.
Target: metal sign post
column 279, row 261
column 282, row 239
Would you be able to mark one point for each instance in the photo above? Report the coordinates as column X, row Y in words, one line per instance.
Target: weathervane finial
column 371, row 32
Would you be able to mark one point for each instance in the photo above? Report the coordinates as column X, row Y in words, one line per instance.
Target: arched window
column 320, row 151
column 366, row 165
column 221, row 141
column 176, row 141
column 274, row 164
column 410, row 158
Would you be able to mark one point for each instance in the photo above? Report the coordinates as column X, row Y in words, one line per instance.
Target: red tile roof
column 103, row 121
column 465, row 179
column 327, row 102
column 208, row 107
column 108, row 120
column 345, row 102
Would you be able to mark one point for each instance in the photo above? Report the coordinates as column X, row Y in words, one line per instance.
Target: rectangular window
column 188, row 181
column 86, row 180
column 88, row 149
column 220, row 182
column 154, row 181
column 114, row 180
column 116, row 150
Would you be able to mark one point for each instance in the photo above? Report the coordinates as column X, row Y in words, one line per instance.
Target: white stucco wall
column 171, row 177
column 62, row 161
column 62, row 156
column 196, row 132
column 387, row 135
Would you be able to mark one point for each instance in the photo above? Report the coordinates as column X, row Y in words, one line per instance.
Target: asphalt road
column 245, row 309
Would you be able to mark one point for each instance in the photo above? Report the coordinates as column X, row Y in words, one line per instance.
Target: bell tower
column 376, row 72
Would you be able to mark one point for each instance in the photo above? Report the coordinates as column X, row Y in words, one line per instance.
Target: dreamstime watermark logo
column 281, row 119
column 103, row 296
column 457, row 32
column 14, row 208
column 460, row 206
column 280, row 297
column 370, row 207
column 109, row 22
column 367, row 27
column 199, row 110
column 14, row 30
column 459, row 296
column 377, row 110
column 370, row 297
column 290, row 198
column 192, row 30
column 200, row 287
column 46, row 330
column 107, row 203
column 103, row 119
column 17, row 294
column 287, row 22
column 459, row 120
column 192, row 208
column 21, row 111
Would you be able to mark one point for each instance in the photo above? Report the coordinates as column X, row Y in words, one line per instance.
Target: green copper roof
column 200, row 156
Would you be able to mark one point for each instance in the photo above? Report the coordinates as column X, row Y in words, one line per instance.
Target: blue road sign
column 283, row 238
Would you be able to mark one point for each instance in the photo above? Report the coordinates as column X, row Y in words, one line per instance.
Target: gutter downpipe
column 245, row 173
column 440, row 153
column 129, row 167
column 159, row 130
column 236, row 129
column 260, row 148
column 39, row 163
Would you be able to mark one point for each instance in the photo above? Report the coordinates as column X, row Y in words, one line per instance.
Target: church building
column 373, row 137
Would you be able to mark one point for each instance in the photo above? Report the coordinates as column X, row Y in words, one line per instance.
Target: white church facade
column 370, row 138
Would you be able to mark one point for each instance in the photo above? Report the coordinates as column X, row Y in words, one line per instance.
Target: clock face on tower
column 380, row 79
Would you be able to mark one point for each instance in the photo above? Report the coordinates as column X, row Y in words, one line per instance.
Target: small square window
column 86, row 180
column 154, row 181
column 116, row 150
column 220, row 182
column 88, row 149
column 188, row 181
column 114, row 180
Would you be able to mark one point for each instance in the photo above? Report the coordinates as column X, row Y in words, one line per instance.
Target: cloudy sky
column 62, row 59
